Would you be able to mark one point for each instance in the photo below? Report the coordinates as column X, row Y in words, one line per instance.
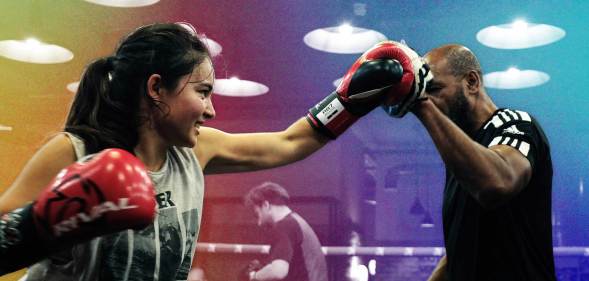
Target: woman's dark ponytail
column 106, row 111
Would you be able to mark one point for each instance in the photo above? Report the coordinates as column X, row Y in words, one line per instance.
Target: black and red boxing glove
column 383, row 75
column 108, row 193
column 416, row 76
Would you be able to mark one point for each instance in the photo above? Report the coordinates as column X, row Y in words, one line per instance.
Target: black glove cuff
column 20, row 245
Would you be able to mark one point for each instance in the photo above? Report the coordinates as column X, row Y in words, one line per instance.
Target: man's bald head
column 459, row 59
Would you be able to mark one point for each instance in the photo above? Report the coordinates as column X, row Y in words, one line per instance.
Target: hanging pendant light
column 213, row 47
column 519, row 35
column 123, row 3
column 4, row 128
column 514, row 78
column 427, row 221
column 73, row 86
column 343, row 39
column 235, row 87
column 34, row 51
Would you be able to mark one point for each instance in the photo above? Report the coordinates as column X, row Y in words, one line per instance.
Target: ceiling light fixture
column 345, row 29
column 123, row 3
column 5, row 128
column 514, row 78
column 214, row 47
column 73, row 87
column 235, row 87
column 34, row 51
column 519, row 35
column 343, row 39
column 427, row 221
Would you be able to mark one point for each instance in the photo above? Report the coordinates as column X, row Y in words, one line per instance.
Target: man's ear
column 154, row 86
column 473, row 81
column 266, row 204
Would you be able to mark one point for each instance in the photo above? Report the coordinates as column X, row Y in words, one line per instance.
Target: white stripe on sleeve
column 496, row 121
column 525, row 116
column 495, row 141
column 505, row 116
column 515, row 117
column 524, row 148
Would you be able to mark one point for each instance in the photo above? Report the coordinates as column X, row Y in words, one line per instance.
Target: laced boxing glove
column 416, row 74
column 382, row 75
column 108, row 193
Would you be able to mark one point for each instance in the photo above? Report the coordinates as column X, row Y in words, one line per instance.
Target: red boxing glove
column 108, row 193
column 385, row 74
column 416, row 76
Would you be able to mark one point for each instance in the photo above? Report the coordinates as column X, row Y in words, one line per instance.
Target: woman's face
column 189, row 106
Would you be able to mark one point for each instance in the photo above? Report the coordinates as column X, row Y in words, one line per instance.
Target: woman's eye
column 201, row 92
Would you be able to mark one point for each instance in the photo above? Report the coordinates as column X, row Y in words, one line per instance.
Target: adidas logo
column 513, row 130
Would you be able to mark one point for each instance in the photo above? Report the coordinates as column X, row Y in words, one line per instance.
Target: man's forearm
column 480, row 170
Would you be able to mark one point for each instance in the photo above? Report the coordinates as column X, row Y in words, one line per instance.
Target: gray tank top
column 162, row 251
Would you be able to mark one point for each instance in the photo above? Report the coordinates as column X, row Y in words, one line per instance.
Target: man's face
column 447, row 91
column 263, row 215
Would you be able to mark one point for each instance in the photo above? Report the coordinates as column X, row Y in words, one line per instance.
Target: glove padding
column 246, row 272
column 367, row 84
column 416, row 74
column 109, row 193
column 389, row 74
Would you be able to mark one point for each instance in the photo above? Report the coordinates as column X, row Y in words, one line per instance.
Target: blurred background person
column 295, row 251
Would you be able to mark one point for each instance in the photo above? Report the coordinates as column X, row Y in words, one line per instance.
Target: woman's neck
column 151, row 149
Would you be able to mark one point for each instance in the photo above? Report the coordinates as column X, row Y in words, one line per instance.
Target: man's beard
column 458, row 110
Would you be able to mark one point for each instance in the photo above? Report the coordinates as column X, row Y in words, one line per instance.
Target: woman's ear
column 154, row 86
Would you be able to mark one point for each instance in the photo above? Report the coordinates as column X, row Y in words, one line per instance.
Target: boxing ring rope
column 360, row 251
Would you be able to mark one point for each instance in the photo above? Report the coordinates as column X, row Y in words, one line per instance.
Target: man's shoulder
column 290, row 224
column 505, row 117
column 288, row 221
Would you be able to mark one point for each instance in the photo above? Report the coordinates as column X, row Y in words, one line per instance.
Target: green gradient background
column 33, row 97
